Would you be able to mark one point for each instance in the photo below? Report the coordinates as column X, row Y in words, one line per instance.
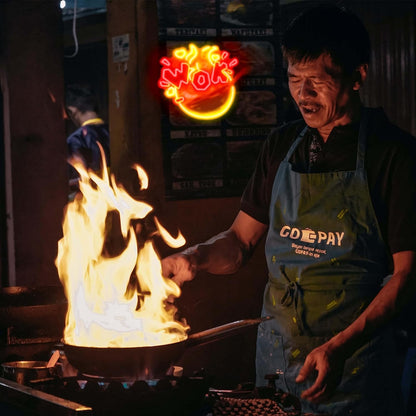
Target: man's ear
column 360, row 75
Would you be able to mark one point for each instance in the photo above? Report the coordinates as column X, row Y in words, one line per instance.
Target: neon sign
column 200, row 81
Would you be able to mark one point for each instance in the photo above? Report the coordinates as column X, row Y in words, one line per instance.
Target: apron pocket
column 328, row 312
column 269, row 355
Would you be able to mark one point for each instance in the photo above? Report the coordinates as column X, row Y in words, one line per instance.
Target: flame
column 114, row 300
column 199, row 80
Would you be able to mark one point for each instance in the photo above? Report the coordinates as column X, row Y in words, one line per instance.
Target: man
column 82, row 107
column 336, row 194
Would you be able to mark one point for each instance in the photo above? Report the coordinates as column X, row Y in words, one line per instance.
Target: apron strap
column 295, row 144
column 362, row 139
column 292, row 295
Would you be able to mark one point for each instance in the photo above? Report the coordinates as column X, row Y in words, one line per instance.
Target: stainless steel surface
column 37, row 401
column 24, row 371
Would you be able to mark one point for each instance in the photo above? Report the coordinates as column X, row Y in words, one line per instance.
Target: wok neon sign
column 200, row 81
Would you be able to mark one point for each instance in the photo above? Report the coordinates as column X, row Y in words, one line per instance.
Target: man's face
column 73, row 114
column 323, row 96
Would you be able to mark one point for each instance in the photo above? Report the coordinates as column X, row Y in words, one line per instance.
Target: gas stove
column 169, row 396
column 69, row 392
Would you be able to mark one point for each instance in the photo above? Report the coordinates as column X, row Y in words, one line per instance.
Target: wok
column 148, row 362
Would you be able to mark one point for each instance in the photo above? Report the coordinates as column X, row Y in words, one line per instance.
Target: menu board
column 209, row 158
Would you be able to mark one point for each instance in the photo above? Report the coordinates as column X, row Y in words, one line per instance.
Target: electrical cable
column 74, row 32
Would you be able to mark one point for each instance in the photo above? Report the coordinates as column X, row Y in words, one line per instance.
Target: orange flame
column 103, row 310
column 199, row 80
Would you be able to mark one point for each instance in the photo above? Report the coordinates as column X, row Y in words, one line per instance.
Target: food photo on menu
column 256, row 57
column 191, row 13
column 253, row 107
column 193, row 161
column 246, row 12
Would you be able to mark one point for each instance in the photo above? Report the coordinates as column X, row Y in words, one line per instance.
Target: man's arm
column 221, row 254
column 329, row 358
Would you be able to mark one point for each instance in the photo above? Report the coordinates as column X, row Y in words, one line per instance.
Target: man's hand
column 329, row 365
column 179, row 267
column 222, row 254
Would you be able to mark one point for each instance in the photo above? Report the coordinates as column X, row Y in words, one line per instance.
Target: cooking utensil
column 54, row 359
column 146, row 362
column 24, row 371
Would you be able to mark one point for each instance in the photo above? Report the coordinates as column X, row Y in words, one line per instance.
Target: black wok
column 145, row 362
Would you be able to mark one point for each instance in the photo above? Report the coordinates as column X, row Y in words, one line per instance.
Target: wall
column 391, row 81
column 32, row 85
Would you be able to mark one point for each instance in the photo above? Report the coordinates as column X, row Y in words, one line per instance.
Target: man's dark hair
column 328, row 29
column 81, row 97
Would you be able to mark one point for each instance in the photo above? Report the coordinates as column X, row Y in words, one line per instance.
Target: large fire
column 114, row 300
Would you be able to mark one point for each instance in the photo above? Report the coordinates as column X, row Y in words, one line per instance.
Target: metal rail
column 27, row 398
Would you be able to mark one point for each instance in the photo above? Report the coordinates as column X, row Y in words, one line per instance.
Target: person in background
column 335, row 194
column 82, row 107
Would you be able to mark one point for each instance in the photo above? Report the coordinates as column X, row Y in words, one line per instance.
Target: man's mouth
column 309, row 109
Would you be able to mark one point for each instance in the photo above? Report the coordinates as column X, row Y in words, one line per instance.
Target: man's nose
column 306, row 90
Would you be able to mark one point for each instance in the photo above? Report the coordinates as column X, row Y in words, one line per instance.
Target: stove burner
column 173, row 373
column 170, row 396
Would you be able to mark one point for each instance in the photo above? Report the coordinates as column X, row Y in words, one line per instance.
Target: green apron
column 326, row 260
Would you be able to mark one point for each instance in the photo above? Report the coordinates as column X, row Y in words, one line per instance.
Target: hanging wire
column 74, row 31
